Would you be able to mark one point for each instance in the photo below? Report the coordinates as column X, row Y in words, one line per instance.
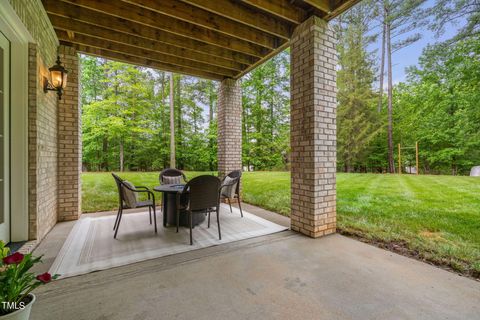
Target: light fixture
column 58, row 79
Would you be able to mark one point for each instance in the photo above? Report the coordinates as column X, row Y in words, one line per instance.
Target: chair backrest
column 119, row 181
column 126, row 192
column 170, row 172
column 236, row 174
column 203, row 192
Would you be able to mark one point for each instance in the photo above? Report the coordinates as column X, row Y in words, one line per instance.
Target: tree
column 172, row 124
column 265, row 118
column 357, row 123
column 438, row 107
column 399, row 19
column 448, row 12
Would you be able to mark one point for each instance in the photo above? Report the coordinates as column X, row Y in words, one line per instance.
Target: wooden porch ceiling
column 212, row 39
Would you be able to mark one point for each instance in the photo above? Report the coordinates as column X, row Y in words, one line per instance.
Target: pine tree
column 399, row 18
column 357, row 123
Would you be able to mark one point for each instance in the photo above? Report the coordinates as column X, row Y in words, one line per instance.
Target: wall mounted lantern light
column 58, row 79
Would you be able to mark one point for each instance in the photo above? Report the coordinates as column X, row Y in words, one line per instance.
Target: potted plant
column 17, row 284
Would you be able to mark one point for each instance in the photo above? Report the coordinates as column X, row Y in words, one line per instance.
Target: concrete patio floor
column 280, row 276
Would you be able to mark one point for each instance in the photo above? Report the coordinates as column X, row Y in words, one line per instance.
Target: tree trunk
column 105, row 165
column 172, row 126
column 391, row 164
column 163, row 133
column 121, row 156
column 179, row 134
column 382, row 66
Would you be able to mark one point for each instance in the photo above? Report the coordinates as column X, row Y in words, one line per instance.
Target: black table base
column 170, row 209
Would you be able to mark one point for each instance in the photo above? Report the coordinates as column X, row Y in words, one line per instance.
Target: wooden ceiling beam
column 78, row 27
column 143, row 53
column 265, row 59
column 206, row 19
column 322, row 5
column 280, row 8
column 94, row 19
column 102, row 53
column 155, row 20
column 340, row 6
column 234, row 10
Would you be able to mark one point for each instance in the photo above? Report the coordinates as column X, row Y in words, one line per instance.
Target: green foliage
column 125, row 118
column 266, row 115
column 358, row 124
column 126, row 111
column 438, row 107
column 448, row 12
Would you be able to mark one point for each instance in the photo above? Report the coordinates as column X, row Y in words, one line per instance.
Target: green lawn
column 436, row 218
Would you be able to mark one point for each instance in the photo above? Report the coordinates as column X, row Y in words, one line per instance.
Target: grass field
column 435, row 218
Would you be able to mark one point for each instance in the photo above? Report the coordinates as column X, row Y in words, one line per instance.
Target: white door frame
column 13, row 28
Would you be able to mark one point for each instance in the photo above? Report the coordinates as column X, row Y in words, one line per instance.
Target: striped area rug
column 90, row 245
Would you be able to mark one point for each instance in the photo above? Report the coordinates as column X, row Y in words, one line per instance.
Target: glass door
column 4, row 139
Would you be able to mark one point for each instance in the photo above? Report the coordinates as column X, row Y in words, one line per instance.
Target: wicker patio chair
column 203, row 197
column 126, row 202
column 172, row 176
column 230, row 188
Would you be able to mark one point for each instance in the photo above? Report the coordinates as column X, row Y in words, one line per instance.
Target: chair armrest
column 148, row 192
column 142, row 188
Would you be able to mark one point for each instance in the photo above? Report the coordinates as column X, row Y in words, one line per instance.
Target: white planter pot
column 21, row 314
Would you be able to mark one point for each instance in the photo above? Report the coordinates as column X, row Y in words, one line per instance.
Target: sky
column 408, row 56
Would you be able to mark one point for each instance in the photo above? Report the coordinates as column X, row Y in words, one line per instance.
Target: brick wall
column 69, row 141
column 313, row 128
column 229, row 127
column 42, row 119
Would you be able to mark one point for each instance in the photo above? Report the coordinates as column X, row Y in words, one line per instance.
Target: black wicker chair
column 203, row 196
column 170, row 172
column 150, row 203
column 235, row 177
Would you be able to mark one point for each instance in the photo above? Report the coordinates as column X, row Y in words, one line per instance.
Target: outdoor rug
column 90, row 245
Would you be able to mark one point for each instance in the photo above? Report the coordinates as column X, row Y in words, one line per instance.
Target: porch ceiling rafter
column 80, row 9
column 205, row 19
column 234, row 10
column 211, row 39
column 95, row 24
column 140, row 52
column 74, row 27
column 144, row 62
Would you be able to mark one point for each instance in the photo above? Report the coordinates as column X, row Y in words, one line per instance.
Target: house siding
column 42, row 120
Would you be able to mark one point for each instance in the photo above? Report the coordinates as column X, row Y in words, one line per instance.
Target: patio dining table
column 170, row 206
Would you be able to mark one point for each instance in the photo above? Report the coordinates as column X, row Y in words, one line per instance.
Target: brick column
column 69, row 140
column 313, row 128
column 229, row 133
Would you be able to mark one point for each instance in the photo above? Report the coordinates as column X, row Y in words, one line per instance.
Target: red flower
column 44, row 277
column 15, row 258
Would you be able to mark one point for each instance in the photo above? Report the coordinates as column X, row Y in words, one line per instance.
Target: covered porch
column 281, row 275
column 214, row 40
